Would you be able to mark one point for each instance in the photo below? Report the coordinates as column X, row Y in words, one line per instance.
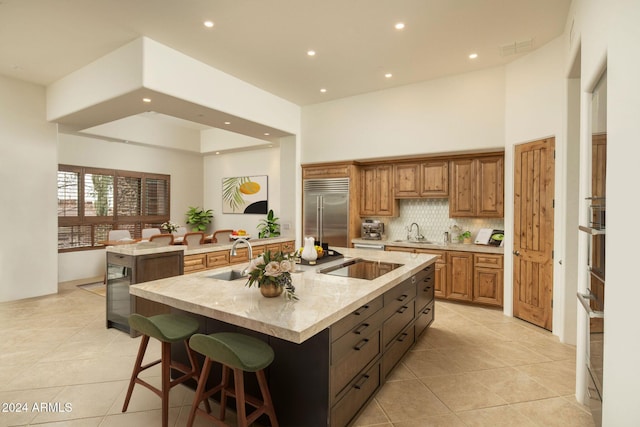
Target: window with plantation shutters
column 93, row 201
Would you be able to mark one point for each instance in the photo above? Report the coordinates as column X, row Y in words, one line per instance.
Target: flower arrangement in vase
column 271, row 272
column 169, row 227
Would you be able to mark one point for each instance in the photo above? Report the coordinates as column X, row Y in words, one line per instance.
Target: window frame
column 114, row 221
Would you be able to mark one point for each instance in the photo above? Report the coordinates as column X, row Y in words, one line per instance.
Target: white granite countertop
column 145, row 248
column 439, row 246
column 323, row 299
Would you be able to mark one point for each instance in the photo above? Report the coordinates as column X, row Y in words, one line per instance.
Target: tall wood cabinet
column 476, row 187
column 376, row 191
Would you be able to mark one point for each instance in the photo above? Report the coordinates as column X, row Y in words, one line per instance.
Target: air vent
column 516, row 47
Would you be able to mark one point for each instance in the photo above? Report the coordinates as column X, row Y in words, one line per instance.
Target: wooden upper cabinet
column 422, row 179
column 490, row 200
column 477, row 188
column 462, row 197
column 376, row 191
column 435, row 179
column 327, row 170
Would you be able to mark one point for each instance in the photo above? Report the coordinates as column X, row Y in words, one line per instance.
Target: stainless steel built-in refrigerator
column 326, row 210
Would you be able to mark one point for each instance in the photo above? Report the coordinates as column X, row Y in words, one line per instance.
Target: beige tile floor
column 473, row 367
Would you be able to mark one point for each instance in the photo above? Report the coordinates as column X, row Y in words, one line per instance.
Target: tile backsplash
column 432, row 215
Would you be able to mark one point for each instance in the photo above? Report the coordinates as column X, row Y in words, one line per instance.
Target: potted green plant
column 465, row 237
column 269, row 227
column 198, row 218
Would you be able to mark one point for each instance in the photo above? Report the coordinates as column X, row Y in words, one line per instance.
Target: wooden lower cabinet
column 460, row 280
column 488, row 279
column 223, row 258
column 465, row 276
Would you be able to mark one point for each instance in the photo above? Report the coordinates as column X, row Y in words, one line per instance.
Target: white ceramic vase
column 309, row 250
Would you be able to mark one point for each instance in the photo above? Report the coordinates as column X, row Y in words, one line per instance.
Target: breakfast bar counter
column 334, row 346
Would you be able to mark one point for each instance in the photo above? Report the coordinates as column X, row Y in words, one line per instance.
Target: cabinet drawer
column 217, row 259
column 361, row 389
column 275, row 247
column 441, row 256
column 398, row 321
column 119, row 259
column 362, row 330
column 195, row 263
column 488, row 261
column 288, row 247
column 397, row 297
column 350, row 321
column 425, row 289
column 242, row 256
column 425, row 317
column 354, row 361
column 399, row 348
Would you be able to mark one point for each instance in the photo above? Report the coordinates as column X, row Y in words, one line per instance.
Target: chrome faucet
column 234, row 252
column 418, row 235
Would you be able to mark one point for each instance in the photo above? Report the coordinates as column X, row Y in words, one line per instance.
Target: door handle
column 516, row 253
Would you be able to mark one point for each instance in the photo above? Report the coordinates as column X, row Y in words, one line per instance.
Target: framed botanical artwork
column 245, row 195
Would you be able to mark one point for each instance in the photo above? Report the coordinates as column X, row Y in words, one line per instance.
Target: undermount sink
column 229, row 275
column 423, row 242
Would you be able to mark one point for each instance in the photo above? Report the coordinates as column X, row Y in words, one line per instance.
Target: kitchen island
column 334, row 346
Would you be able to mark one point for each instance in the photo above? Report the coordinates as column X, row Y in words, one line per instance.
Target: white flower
column 272, row 269
column 256, row 263
column 285, row 266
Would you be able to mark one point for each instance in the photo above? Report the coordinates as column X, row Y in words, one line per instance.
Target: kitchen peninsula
column 335, row 346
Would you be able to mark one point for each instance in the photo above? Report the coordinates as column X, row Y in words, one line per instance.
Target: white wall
column 28, row 170
column 536, row 109
column 463, row 112
column 187, row 185
column 248, row 163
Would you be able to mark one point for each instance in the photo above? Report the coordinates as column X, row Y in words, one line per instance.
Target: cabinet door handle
column 361, row 344
column 362, row 381
column 426, row 311
column 402, row 337
column 361, row 310
column 402, row 309
column 361, row 328
column 402, row 297
column 426, row 289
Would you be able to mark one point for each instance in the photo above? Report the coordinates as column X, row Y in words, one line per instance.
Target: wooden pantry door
column 534, row 170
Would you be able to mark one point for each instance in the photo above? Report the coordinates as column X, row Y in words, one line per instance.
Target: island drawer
column 217, row 259
column 425, row 317
column 242, row 256
column 195, row 263
column 397, row 322
column 425, row 289
column 397, row 297
column 360, row 390
column 394, row 353
column 353, row 319
column 351, row 339
column 353, row 361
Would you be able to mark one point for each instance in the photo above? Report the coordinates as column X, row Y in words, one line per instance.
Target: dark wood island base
column 328, row 379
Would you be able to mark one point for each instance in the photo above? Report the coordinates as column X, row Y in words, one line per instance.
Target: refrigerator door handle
column 320, row 219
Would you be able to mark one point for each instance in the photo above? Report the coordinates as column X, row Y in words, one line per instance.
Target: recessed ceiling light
column 266, row 134
column 399, row 26
column 209, row 24
column 227, row 123
column 217, row 152
column 311, row 52
column 146, row 99
column 323, row 90
column 473, row 56
column 388, row 75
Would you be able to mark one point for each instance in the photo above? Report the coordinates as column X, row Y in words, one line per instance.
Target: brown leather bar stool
column 240, row 353
column 168, row 329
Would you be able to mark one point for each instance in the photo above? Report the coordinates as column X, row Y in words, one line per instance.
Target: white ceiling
column 264, row 42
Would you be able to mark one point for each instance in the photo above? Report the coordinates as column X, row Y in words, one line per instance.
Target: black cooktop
column 359, row 268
